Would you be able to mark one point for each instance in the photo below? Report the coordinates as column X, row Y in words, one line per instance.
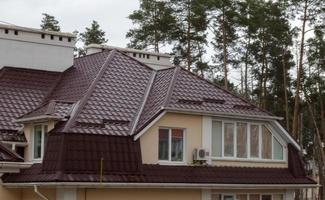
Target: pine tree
column 93, row 35
column 49, row 23
column 224, row 15
column 154, row 22
column 308, row 12
column 189, row 34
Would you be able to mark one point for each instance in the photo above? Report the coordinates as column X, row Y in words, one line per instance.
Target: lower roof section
column 164, row 175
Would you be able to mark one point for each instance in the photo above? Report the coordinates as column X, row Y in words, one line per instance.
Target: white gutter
column 39, row 193
column 20, row 165
column 278, row 125
column 164, row 185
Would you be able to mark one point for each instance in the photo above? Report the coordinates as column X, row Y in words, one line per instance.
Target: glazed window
column 171, row 144
column 229, row 142
column 219, row 196
column 254, row 141
column 244, row 140
column 39, row 140
column 241, row 140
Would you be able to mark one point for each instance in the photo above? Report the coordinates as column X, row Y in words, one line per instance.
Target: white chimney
column 155, row 60
column 35, row 49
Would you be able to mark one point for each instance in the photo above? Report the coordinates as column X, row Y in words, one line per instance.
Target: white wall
column 30, row 50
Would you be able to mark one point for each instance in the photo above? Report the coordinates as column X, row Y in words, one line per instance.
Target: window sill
column 247, row 160
column 163, row 162
column 36, row 161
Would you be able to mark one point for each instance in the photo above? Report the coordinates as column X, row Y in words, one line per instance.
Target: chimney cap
column 128, row 50
column 34, row 30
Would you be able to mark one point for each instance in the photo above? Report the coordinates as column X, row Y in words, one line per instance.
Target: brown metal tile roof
column 53, row 108
column 77, row 158
column 114, row 98
column 7, row 155
column 195, row 93
column 169, row 174
column 21, row 90
column 84, row 153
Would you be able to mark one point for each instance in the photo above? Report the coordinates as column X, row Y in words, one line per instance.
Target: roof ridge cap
column 83, row 100
column 144, row 101
column 143, row 64
column 171, row 86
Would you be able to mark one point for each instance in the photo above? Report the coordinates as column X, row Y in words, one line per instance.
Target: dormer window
column 39, row 137
column 171, row 145
column 244, row 140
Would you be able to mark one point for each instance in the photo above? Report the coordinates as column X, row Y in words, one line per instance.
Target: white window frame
column 249, row 158
column 169, row 161
column 42, row 142
column 247, row 194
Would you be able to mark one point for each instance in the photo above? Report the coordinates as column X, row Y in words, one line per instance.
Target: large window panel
column 163, row 144
column 277, row 197
column 177, row 145
column 254, row 197
column 277, row 150
column 266, row 197
column 254, row 141
column 241, row 140
column 229, row 139
column 216, row 138
column 37, row 141
column 266, row 143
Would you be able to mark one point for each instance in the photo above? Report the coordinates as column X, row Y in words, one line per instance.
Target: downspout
column 39, row 193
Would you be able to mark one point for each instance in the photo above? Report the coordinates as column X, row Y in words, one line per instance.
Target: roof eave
column 164, row 185
column 223, row 114
column 39, row 118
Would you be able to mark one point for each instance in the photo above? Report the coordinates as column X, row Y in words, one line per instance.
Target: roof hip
column 89, row 91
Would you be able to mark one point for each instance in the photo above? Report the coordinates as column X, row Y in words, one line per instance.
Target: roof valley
column 144, row 101
column 83, row 100
column 171, row 87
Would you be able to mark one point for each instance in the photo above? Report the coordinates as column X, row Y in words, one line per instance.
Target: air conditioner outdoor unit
column 200, row 154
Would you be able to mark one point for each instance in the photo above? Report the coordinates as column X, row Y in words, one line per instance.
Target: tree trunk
column 225, row 54
column 320, row 151
column 189, row 62
column 246, row 66
column 263, row 71
column 286, row 107
column 299, row 73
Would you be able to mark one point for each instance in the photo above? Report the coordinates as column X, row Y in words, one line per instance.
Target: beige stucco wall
column 138, row 194
column 28, row 128
column 29, row 194
column 193, row 135
column 26, row 193
column 249, row 164
column 10, row 194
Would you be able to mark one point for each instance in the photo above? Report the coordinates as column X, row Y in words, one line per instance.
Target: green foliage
column 49, row 23
column 189, row 34
column 154, row 22
column 93, row 35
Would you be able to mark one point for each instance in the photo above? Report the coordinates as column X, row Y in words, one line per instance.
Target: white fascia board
column 20, row 165
column 161, row 185
column 285, row 133
column 224, row 114
column 137, row 136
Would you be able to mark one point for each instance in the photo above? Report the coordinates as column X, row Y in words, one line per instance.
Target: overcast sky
column 73, row 15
